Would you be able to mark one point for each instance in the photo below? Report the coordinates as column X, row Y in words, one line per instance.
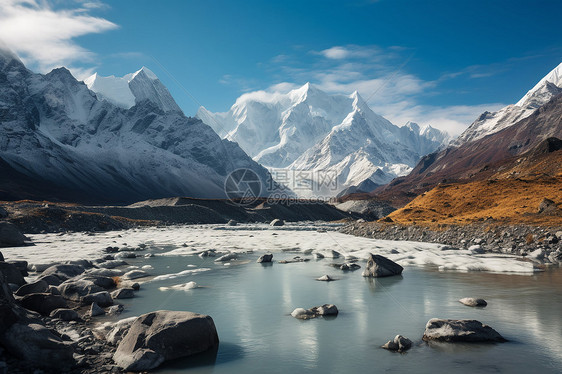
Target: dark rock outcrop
column 43, row 303
column 165, row 335
column 10, row 236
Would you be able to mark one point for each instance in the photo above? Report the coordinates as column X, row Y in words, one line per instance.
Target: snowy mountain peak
column 131, row 89
column 489, row 123
column 309, row 129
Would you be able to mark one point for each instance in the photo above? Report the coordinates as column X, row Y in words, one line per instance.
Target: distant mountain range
column 307, row 129
column 106, row 140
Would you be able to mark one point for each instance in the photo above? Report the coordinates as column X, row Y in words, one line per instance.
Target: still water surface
column 250, row 304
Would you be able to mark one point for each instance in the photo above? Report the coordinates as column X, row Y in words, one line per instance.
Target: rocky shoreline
column 539, row 244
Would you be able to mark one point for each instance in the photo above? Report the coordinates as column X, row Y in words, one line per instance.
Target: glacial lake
column 251, row 303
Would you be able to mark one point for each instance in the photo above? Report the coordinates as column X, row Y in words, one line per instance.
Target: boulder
column 65, row 314
column 111, row 264
column 380, row 266
column 43, row 303
column 76, row 289
column 277, row 222
column 12, row 274
column 105, row 273
column 471, row 301
column 399, row 344
column 100, row 280
column 96, row 310
column 102, row 298
column 38, row 346
column 349, row 266
column 317, row 311
column 86, row 264
column 51, row 280
column 123, row 293
column 39, row 268
column 115, row 309
column 10, row 236
column 135, row 274
column 450, row 330
column 39, row 286
column 160, row 336
column 64, row 271
column 325, row 278
column 113, row 333
column 232, row 222
column 268, row 257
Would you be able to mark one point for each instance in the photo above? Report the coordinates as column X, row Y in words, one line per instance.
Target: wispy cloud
column 381, row 76
column 42, row 33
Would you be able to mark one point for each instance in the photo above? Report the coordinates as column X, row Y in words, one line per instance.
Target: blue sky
column 438, row 62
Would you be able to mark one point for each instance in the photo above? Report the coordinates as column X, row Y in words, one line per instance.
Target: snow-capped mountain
column 123, row 140
column 489, row 123
column 309, row 130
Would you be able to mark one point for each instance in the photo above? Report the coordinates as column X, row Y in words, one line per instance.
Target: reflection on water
column 251, row 305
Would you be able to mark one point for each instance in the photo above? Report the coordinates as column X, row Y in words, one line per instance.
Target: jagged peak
column 553, row 77
column 142, row 71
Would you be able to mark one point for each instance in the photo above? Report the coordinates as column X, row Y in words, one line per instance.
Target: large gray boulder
column 38, row 346
column 10, row 236
column 64, row 271
column 43, row 303
column 39, row 286
column 380, row 266
column 165, row 335
column 75, row 290
column 464, row 330
column 123, row 293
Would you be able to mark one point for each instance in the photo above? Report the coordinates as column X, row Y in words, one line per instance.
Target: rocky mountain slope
column 307, row 129
column 466, row 162
column 124, row 141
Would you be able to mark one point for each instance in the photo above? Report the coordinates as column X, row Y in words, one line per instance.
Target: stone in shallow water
column 471, row 301
column 380, row 266
column 451, row 330
column 399, row 344
column 323, row 310
column 95, row 310
column 268, row 257
column 135, row 274
column 325, row 278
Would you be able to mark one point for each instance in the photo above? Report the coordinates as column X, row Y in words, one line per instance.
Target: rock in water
column 123, row 293
column 165, row 335
column 277, row 222
column 471, row 301
column 323, row 310
column 451, row 330
column 380, row 266
column 102, row 299
column 325, row 278
column 10, row 236
column 399, row 344
column 268, row 257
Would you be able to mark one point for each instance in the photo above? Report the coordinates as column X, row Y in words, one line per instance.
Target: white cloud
column 42, row 35
column 381, row 78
